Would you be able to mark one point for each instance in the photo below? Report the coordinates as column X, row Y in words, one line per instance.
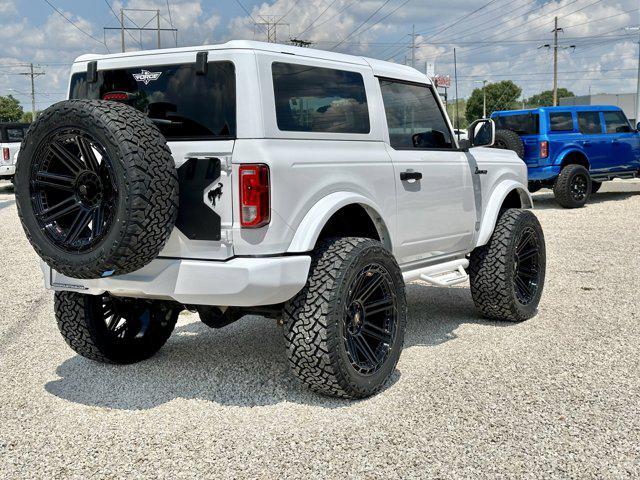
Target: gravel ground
column 557, row 396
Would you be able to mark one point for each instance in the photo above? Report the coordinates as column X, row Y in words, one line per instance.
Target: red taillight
column 255, row 208
column 116, row 96
column 544, row 149
column 5, row 154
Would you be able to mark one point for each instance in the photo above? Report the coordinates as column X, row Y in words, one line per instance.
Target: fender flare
column 492, row 209
column 309, row 229
column 562, row 155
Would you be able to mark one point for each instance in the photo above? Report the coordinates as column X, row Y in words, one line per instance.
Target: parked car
column 571, row 149
column 11, row 134
column 253, row 178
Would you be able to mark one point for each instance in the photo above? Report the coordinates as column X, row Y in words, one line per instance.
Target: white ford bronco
column 11, row 134
column 252, row 178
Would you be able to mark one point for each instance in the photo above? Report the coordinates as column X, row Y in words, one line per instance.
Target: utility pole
column 484, row 97
column 122, row 29
column 158, row 26
column 455, row 74
column 31, row 73
column 413, row 46
column 555, row 48
column 555, row 61
column 270, row 25
column 637, row 29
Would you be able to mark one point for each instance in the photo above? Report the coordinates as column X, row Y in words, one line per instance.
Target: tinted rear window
column 182, row 103
column 522, row 124
column 313, row 99
column 589, row 122
column 561, row 121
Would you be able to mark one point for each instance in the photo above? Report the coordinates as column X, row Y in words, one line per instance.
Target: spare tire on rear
column 96, row 188
column 509, row 140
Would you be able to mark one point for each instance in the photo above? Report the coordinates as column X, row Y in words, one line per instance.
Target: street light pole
column 637, row 29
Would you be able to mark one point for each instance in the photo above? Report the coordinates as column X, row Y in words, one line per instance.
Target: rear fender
column 559, row 160
column 492, row 210
column 309, row 230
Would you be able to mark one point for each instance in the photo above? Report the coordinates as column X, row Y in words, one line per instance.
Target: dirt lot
column 557, row 396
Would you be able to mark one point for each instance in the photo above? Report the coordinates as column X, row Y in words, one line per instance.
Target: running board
column 442, row 275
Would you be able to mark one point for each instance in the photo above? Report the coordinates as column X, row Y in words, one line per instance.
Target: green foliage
column 10, row 109
column 545, row 99
column 500, row 96
column 451, row 111
column 27, row 117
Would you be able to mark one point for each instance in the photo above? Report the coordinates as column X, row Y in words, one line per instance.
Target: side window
column 314, row 99
column 560, row 121
column 616, row 122
column 15, row 134
column 414, row 118
column 589, row 122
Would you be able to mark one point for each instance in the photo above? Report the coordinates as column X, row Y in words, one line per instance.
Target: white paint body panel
column 429, row 225
column 8, row 168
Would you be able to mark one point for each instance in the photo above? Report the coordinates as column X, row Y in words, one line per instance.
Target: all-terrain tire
column 595, row 186
column 509, row 140
column 534, row 187
column 493, row 269
column 315, row 319
column 572, row 188
column 144, row 176
column 86, row 326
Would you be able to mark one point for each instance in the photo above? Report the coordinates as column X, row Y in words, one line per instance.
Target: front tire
column 345, row 330
column 572, row 187
column 114, row 330
column 507, row 274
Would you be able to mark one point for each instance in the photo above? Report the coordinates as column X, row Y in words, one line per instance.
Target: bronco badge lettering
column 146, row 77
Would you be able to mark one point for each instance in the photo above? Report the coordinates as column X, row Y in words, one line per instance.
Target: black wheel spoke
column 370, row 287
column 97, row 221
column 60, row 182
column 385, row 304
column 59, row 210
column 376, row 332
column 80, row 222
column 88, row 155
column 364, row 348
column 113, row 321
column 527, row 254
column 524, row 288
column 73, row 164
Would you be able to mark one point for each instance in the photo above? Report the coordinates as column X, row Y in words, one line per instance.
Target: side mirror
column 638, row 126
column 482, row 133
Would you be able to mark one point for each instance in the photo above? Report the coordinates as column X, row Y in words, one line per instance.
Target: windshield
column 522, row 124
column 182, row 103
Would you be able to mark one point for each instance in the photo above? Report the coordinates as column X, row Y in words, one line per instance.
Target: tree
column 451, row 111
column 545, row 99
column 10, row 109
column 27, row 117
column 500, row 96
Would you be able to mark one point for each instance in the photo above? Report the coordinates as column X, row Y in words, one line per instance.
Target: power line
column 175, row 34
column 358, row 28
column 73, row 23
column 317, row 18
column 118, row 19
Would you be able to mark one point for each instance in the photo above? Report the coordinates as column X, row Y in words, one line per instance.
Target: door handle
column 586, row 143
column 404, row 176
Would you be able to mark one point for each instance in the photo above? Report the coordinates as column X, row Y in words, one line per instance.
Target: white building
column 626, row 101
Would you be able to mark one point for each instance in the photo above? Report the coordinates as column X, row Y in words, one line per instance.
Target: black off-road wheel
column 595, row 186
column 114, row 330
column 507, row 274
column 509, row 140
column 572, row 188
column 345, row 330
column 96, row 188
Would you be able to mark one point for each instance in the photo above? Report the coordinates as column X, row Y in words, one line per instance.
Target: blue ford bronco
column 571, row 149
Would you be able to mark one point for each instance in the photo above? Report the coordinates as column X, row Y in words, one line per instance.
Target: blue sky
column 494, row 39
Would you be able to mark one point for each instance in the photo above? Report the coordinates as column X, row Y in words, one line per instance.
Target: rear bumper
column 7, row 171
column 543, row 173
column 241, row 282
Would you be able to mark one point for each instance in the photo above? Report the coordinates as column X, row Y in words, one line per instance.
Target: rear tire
column 114, row 330
column 572, row 188
column 345, row 330
column 509, row 140
column 507, row 274
column 595, row 186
